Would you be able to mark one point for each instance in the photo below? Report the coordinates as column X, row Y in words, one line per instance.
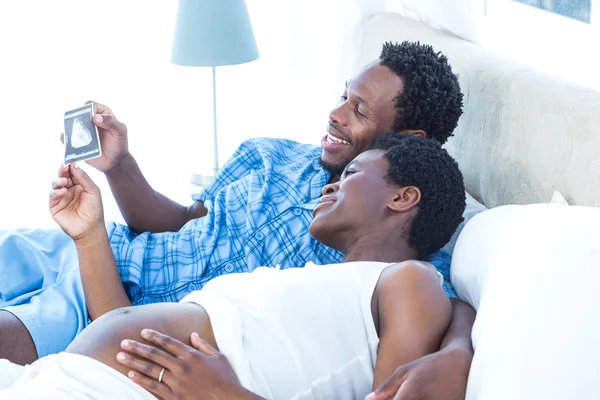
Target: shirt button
column 259, row 235
column 229, row 268
column 297, row 211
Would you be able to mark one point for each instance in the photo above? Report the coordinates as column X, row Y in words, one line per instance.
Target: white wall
column 55, row 55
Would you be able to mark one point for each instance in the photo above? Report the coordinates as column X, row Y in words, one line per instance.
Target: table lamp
column 212, row 33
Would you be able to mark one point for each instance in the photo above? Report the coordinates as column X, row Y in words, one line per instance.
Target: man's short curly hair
column 431, row 99
column 423, row 163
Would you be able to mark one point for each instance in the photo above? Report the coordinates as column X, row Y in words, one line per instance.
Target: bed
column 529, row 268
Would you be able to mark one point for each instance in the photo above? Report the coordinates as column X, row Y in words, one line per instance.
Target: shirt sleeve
column 442, row 260
column 245, row 159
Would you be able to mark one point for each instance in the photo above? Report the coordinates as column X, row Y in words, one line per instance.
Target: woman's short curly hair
column 431, row 99
column 424, row 164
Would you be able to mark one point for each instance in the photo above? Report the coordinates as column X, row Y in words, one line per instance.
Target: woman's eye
column 357, row 111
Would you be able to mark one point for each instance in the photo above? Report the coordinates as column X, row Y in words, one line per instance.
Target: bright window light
column 58, row 54
column 557, row 37
column 576, row 9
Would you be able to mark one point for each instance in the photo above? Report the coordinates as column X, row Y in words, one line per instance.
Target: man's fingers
column 390, row 387
column 151, row 353
column 173, row 346
column 152, row 385
column 376, row 396
column 99, row 108
column 404, row 392
column 110, row 123
column 202, row 345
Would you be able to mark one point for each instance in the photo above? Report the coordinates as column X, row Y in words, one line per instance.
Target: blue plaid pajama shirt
column 259, row 209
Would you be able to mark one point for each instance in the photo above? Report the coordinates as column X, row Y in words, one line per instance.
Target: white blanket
column 66, row 376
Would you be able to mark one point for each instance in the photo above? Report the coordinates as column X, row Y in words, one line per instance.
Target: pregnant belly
column 101, row 339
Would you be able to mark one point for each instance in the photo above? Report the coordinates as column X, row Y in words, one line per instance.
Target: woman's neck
column 380, row 247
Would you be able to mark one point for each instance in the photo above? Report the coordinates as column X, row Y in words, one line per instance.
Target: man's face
column 365, row 110
column 356, row 204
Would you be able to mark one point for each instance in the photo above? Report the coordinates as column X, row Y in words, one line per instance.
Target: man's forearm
column 440, row 375
column 458, row 335
column 99, row 274
column 244, row 394
column 144, row 209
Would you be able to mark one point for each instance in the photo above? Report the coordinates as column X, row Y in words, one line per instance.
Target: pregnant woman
column 318, row 332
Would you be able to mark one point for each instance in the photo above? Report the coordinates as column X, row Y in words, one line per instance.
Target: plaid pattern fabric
column 259, row 209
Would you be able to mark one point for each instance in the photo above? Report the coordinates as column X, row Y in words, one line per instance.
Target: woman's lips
column 325, row 200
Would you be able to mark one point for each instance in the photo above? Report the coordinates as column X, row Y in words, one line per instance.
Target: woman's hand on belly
column 196, row 372
column 101, row 340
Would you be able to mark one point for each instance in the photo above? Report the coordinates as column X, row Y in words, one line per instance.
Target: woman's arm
column 76, row 205
column 102, row 285
column 413, row 315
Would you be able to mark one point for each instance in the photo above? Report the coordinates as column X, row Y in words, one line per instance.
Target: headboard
column 523, row 135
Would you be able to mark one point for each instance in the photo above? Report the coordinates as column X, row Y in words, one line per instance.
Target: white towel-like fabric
column 66, row 376
column 9, row 373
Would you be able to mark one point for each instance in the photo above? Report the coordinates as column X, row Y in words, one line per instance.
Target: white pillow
column 558, row 198
column 532, row 273
column 472, row 208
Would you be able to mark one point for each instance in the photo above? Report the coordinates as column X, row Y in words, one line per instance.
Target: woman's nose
column 330, row 189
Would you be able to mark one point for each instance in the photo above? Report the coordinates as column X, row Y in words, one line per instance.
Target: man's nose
column 337, row 116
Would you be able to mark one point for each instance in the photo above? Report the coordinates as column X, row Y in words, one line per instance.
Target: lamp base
column 201, row 179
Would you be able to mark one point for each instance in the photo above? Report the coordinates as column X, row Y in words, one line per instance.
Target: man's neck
column 382, row 246
column 334, row 179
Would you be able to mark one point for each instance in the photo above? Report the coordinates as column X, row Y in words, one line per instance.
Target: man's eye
column 343, row 97
column 357, row 111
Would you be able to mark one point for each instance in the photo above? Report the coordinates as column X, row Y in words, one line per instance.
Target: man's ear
column 414, row 132
column 405, row 199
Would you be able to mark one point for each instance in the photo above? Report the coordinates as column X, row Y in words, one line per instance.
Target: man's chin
column 333, row 165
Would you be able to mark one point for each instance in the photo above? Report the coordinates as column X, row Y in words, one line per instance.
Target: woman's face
column 356, row 204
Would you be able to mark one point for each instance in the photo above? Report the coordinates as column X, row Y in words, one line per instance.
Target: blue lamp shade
column 210, row 33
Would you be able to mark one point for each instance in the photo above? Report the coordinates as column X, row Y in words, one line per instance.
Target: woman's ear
column 414, row 132
column 405, row 198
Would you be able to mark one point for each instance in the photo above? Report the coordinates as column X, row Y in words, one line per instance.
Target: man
column 234, row 224
column 319, row 332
